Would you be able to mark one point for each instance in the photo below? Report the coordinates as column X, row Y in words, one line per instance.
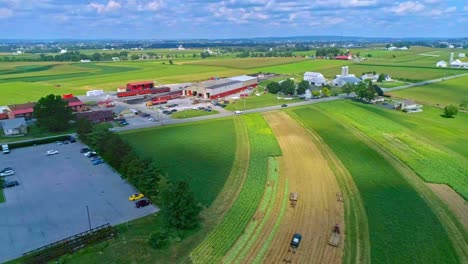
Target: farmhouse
column 442, row 64
column 315, row 78
column 96, row 116
column 459, row 64
column 370, row 76
column 21, row 110
column 214, row 89
column 74, row 103
column 344, row 57
column 14, row 126
column 345, row 77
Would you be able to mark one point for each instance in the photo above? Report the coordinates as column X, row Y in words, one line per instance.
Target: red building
column 75, row 104
column 96, row 116
column 140, row 85
column 21, row 110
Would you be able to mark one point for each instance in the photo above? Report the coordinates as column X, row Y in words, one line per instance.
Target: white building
column 315, row 78
column 459, row 64
column 14, row 126
column 442, row 64
column 461, row 55
column 62, row 51
column 370, row 76
column 345, row 77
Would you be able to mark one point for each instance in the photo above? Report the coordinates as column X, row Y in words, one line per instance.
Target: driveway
column 50, row 202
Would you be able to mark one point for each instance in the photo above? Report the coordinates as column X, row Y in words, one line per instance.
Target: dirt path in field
column 317, row 210
column 454, row 201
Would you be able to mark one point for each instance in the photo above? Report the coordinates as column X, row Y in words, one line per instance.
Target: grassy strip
column 192, row 113
column 271, row 236
column 254, row 229
column 402, row 227
column 262, row 145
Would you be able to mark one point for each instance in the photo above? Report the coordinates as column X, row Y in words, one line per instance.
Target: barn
column 215, row 89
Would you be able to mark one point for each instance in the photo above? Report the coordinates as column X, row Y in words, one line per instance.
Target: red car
column 142, row 203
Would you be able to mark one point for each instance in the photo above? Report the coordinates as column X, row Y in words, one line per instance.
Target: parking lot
column 50, row 202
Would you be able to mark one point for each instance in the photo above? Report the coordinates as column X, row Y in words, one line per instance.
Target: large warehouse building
column 215, row 89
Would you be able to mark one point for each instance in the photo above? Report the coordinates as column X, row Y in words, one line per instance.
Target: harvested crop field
column 317, row 210
column 454, row 201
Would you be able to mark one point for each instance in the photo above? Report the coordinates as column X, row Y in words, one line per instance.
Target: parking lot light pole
column 89, row 219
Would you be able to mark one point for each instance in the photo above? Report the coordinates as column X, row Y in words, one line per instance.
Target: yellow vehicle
column 136, row 196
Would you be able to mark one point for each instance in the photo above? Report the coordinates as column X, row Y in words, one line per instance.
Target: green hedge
column 39, row 141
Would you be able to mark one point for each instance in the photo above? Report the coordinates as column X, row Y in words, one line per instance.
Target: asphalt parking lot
column 50, row 202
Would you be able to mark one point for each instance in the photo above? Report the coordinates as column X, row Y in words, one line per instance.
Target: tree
column 315, row 93
column 83, row 128
column 348, row 88
column 360, row 90
column 326, row 92
column 134, row 57
column 273, row 87
column 181, row 207
column 370, row 90
column 53, row 113
column 96, row 56
column 450, row 110
column 381, row 77
column 171, row 62
column 302, row 87
column 288, row 87
column 159, row 238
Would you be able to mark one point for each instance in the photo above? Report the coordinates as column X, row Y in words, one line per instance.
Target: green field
column 191, row 152
column 402, row 227
column 192, row 113
column 263, row 144
column 453, row 91
column 436, row 148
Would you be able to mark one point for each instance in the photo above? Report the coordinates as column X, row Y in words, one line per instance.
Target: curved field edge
column 238, row 252
column 357, row 241
column 262, row 145
column 402, row 227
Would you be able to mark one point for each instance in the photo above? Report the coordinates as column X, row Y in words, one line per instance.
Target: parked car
column 97, row 161
column 296, row 240
column 238, row 112
column 166, row 112
column 123, row 123
column 90, row 153
column 6, row 169
column 7, row 173
column 142, row 203
column 72, row 139
column 136, row 196
column 174, row 110
column 151, row 119
column 59, row 143
column 145, row 115
column 10, row 184
column 84, row 150
column 284, row 105
column 95, row 158
column 52, row 152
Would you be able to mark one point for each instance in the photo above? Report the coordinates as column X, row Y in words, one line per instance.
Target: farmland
column 453, row 91
column 400, row 221
column 262, row 145
column 172, row 146
column 192, row 113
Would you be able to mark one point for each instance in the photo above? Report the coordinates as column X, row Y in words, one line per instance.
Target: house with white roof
column 459, row 64
column 441, row 63
column 315, row 78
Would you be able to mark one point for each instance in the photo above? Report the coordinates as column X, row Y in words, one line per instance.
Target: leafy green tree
column 273, row 87
column 2, row 182
column 302, row 87
column 348, row 88
column 450, row 110
column 134, row 57
column 171, row 62
column 181, row 207
column 288, row 87
column 83, row 128
column 370, row 90
column 360, row 89
column 326, row 92
column 381, row 77
column 315, row 93
column 53, row 113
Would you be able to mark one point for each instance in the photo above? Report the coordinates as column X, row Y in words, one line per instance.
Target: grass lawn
column 434, row 147
column 453, row 91
column 192, row 113
column 391, row 84
column 247, row 63
column 199, row 153
column 254, row 101
column 402, row 227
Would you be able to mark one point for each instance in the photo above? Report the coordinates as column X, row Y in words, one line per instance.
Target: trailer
column 135, row 92
column 335, row 236
column 293, row 198
column 295, row 242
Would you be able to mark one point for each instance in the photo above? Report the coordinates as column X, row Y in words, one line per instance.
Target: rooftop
column 140, row 83
column 12, row 123
column 243, row 78
column 26, row 106
column 220, row 85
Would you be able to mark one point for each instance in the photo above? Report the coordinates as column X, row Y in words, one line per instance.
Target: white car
column 7, row 173
column 51, row 152
column 90, row 153
column 237, row 112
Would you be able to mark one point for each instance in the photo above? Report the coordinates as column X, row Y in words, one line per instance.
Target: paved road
column 225, row 114
column 423, row 83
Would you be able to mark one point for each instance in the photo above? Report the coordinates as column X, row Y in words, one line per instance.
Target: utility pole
column 89, row 219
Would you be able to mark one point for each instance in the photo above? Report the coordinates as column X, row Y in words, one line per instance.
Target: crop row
column 402, row 226
column 263, row 144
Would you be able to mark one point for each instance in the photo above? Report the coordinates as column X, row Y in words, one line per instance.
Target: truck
column 335, row 236
column 293, row 198
column 5, row 149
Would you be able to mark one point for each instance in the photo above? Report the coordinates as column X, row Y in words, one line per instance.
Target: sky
column 210, row 19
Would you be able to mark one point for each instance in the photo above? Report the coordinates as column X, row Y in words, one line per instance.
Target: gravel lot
column 50, row 202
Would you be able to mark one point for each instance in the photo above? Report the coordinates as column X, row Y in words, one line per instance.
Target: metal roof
column 13, row 123
column 220, row 85
column 242, row 78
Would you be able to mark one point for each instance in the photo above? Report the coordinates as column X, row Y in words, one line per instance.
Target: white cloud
column 432, row 1
column 465, row 8
column 358, row 3
column 5, row 13
column 109, row 7
column 407, row 7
